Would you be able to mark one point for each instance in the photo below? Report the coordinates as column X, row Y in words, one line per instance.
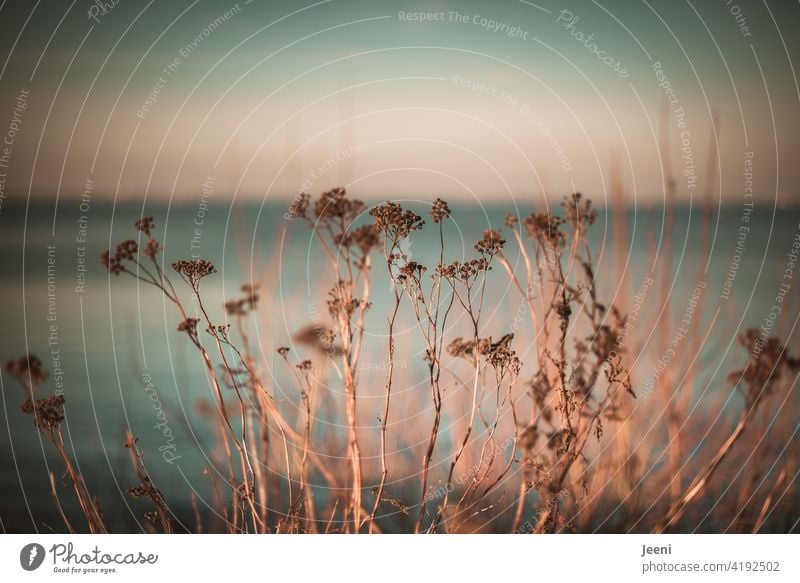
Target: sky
column 475, row 101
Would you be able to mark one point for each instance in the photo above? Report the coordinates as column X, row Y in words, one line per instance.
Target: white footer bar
column 617, row 558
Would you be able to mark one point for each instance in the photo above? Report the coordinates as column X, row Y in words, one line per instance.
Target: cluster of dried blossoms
column 497, row 354
column 397, row 223
column 348, row 248
column 48, row 415
column 148, row 268
column 48, row 411
column 576, row 378
column 193, row 270
column 27, row 369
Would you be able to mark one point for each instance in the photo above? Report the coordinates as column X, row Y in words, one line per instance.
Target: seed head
column 125, row 251
column 578, row 211
column 395, row 222
column 545, row 228
column 145, row 225
column 189, row 325
column 299, row 207
column 152, row 248
column 48, row 412
column 439, row 211
column 334, row 205
column 24, row 368
column 194, row 270
column 490, row 244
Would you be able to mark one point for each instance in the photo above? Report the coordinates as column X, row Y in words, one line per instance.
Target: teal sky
column 277, row 96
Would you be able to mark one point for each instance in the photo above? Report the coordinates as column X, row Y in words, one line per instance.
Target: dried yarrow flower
column 251, row 297
column 152, row 248
column 48, row 412
column 439, row 211
column 235, row 308
column 545, row 228
column 412, row 270
column 334, row 205
column 112, row 264
column 395, row 222
column 193, row 270
column 464, row 272
column 146, row 488
column 189, row 325
column 219, row 332
column 299, row 207
column 366, row 238
column 26, row 367
column 578, row 211
column 145, row 225
column 127, row 249
column 318, row 338
column 490, row 244
column 241, row 306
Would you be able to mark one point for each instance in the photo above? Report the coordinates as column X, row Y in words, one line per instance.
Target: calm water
column 111, row 338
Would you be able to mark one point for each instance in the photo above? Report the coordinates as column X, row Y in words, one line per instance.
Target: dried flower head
column 251, row 295
column 243, row 305
column 466, row 272
column 490, row 244
column 48, row 412
column 460, row 348
column 235, row 308
column 193, row 270
column 439, row 211
column 145, row 225
column 112, row 264
column 152, row 248
column 578, row 211
column 334, row 205
column 340, row 301
column 283, row 351
column 545, row 228
column 318, row 338
column 189, row 325
column 299, row 207
column 395, row 222
column 146, row 488
column 412, row 270
column 24, row 368
column 220, row 332
column 127, row 249
column 367, row 238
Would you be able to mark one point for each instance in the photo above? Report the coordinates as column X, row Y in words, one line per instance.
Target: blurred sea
column 108, row 335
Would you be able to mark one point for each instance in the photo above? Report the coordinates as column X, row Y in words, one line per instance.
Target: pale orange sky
column 350, row 93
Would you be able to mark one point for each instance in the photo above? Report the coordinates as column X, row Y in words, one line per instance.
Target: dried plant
column 48, row 414
column 521, row 426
